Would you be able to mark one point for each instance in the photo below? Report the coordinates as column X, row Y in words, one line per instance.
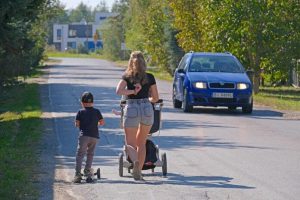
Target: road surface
column 212, row 154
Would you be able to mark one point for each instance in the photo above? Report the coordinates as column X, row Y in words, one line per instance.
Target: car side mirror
column 180, row 71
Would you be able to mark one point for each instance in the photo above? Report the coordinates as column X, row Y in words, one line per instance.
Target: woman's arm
column 121, row 89
column 153, row 97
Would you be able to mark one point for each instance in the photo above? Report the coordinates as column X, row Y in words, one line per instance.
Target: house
column 71, row 36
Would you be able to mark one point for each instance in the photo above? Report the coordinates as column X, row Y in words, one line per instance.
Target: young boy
column 87, row 120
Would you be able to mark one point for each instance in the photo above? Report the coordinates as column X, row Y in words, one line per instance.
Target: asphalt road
column 212, row 154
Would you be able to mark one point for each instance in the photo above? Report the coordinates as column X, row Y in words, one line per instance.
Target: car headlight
column 242, row 86
column 200, row 85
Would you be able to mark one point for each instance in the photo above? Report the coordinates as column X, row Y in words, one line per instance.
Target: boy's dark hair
column 87, row 97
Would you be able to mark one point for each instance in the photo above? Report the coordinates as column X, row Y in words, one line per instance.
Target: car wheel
column 176, row 103
column 98, row 173
column 248, row 108
column 186, row 106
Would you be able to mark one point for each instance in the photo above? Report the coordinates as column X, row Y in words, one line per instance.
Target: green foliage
column 22, row 38
column 113, row 33
column 263, row 34
column 81, row 12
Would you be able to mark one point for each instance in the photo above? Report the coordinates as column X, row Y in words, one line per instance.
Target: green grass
column 282, row 98
column 20, row 131
column 73, row 55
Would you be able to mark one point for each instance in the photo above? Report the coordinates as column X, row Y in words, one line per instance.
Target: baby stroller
column 152, row 159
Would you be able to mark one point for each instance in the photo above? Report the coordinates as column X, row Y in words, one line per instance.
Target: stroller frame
column 161, row 160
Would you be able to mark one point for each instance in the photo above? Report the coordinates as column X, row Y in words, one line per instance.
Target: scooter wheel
column 98, row 173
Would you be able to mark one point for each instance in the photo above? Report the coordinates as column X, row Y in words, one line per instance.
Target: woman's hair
column 136, row 70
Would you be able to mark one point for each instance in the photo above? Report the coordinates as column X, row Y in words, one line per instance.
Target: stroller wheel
column 164, row 163
column 121, row 164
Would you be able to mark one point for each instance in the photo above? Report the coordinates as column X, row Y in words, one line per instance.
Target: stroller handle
column 160, row 101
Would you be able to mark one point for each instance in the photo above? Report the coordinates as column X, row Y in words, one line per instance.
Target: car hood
column 218, row 77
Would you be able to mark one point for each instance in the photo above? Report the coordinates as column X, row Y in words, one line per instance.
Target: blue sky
column 74, row 3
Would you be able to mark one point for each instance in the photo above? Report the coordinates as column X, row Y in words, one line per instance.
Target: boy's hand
column 101, row 122
column 77, row 123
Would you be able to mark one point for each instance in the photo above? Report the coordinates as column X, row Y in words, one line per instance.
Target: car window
column 182, row 63
column 215, row 63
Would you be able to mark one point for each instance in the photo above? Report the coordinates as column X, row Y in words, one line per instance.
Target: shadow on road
column 177, row 179
column 203, row 181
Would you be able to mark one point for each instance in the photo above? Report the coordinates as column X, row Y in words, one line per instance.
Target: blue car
column 211, row 79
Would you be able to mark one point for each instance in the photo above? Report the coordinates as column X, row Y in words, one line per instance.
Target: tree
column 101, row 7
column 261, row 33
column 22, row 41
column 81, row 12
column 113, row 31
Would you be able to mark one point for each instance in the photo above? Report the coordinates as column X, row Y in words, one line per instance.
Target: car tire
column 185, row 104
column 176, row 103
column 248, row 108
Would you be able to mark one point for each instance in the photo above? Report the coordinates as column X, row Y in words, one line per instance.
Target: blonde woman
column 141, row 90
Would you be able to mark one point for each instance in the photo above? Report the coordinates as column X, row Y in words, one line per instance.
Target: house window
column 80, row 31
column 72, row 33
column 71, row 45
column 58, row 34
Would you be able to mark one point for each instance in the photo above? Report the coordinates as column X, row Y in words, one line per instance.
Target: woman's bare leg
column 141, row 138
column 130, row 138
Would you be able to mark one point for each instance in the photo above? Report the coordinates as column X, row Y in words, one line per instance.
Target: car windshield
column 215, row 63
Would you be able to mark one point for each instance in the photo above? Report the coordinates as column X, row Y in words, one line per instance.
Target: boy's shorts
column 138, row 111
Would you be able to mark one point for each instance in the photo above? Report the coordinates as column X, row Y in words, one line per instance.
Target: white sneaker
column 136, row 171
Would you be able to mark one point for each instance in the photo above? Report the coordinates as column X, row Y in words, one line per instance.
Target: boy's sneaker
column 88, row 172
column 136, row 171
column 77, row 178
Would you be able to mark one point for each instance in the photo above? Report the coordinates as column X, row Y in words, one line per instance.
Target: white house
column 70, row 36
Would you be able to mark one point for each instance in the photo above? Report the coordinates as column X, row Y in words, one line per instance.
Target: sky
column 74, row 3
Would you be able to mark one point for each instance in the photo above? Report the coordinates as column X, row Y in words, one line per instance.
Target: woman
column 141, row 90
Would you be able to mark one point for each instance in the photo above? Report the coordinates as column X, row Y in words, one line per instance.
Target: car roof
column 211, row 53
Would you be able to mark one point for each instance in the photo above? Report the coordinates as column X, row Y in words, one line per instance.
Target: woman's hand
column 153, row 94
column 137, row 88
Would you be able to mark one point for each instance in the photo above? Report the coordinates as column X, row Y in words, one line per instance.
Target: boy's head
column 87, row 98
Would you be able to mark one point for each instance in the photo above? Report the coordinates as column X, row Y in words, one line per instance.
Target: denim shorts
column 138, row 111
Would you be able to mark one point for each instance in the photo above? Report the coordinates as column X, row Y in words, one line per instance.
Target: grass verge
column 20, row 131
column 282, row 98
column 73, row 55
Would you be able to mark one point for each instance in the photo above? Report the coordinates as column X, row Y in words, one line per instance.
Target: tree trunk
column 256, row 82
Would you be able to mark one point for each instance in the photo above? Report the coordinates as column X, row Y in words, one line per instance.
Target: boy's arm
column 77, row 119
